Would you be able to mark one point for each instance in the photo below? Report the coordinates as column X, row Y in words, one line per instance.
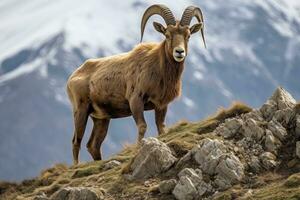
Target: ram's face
column 177, row 38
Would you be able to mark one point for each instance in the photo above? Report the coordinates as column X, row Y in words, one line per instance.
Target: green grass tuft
column 293, row 181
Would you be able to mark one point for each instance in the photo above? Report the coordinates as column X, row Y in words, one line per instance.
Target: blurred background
column 253, row 46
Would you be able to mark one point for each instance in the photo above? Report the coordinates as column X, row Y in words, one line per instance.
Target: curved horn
column 188, row 15
column 158, row 9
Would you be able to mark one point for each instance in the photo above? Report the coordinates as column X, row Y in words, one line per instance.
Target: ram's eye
column 168, row 36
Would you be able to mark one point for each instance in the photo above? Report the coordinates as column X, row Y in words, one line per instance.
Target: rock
column 297, row 130
column 271, row 142
column 147, row 183
column 277, row 129
column 229, row 171
column 254, row 114
column 185, row 189
column 41, row 197
column 253, row 130
column 254, row 164
column 166, row 187
column 280, row 100
column 204, row 188
column 284, row 116
column 298, row 149
column 214, row 159
column 207, row 154
column 268, row 160
column 229, row 128
column 195, row 177
column 268, row 109
column 111, row 164
column 283, row 99
column 76, row 193
column 222, row 130
column 184, row 160
column 154, row 157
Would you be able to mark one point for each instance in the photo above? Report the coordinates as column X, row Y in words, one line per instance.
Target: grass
column 283, row 189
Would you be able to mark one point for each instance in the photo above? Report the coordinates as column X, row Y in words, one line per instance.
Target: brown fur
column 145, row 78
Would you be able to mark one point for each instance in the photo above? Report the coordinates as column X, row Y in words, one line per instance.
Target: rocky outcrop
column 256, row 137
column 280, row 100
column 154, row 157
column 236, row 150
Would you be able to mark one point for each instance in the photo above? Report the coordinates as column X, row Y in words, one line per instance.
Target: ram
column 145, row 78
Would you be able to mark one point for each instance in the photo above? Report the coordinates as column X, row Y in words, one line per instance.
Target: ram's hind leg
column 98, row 135
column 80, row 119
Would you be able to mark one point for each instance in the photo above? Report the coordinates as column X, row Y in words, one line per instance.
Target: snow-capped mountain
column 252, row 47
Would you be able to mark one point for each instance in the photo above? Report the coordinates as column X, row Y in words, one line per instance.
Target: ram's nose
column 179, row 54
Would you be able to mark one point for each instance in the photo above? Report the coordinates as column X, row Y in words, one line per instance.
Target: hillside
column 253, row 43
column 237, row 153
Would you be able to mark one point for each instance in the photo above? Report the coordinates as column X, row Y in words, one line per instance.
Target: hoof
column 95, row 153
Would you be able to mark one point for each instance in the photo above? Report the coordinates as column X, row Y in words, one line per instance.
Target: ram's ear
column 159, row 27
column 196, row 27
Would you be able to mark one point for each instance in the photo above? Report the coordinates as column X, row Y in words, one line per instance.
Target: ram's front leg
column 137, row 108
column 160, row 115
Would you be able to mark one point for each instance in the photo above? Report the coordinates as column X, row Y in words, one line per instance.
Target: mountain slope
column 253, row 47
column 238, row 163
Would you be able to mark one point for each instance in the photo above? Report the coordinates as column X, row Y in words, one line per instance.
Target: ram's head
column 177, row 33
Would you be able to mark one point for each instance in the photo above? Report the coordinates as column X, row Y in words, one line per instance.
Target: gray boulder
column 252, row 129
column 254, row 114
column 283, row 99
column 254, row 164
column 284, row 116
column 153, row 157
column 280, row 100
column 204, row 188
column 229, row 171
column 185, row 189
column 268, row 160
column 166, row 187
column 268, row 109
column 297, row 130
column 215, row 159
column 76, row 193
column 271, row 142
column 298, row 149
column 195, row 176
column 277, row 129
column 229, row 128
column 191, row 184
column 207, row 154
column 184, row 160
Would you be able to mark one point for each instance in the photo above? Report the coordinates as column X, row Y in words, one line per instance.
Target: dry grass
column 284, row 189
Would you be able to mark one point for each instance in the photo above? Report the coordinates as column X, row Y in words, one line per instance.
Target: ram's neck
column 171, row 69
column 171, row 72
